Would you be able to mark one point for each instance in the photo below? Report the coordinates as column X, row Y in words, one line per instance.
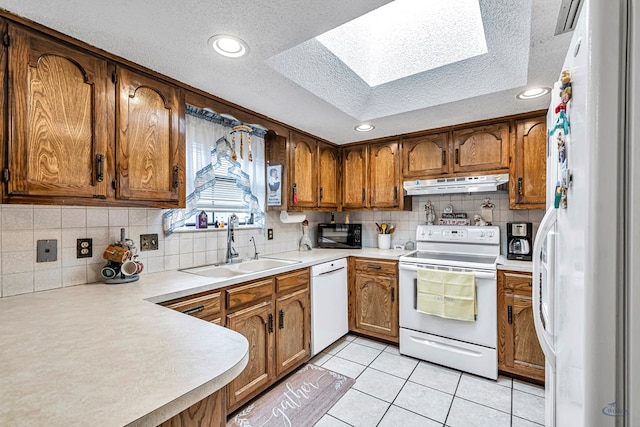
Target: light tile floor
column 394, row 390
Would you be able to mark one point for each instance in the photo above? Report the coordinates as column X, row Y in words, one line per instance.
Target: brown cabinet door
column 482, row 148
column 328, row 176
column 519, row 351
column 150, row 140
column 293, row 330
column 355, row 189
column 528, row 169
column 60, row 109
column 426, row 156
column 376, row 306
column 385, row 175
column 256, row 323
column 303, row 169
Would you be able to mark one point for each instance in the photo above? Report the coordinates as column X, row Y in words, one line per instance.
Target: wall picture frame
column 274, row 185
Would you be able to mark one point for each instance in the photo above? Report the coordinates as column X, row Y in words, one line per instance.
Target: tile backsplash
column 21, row 226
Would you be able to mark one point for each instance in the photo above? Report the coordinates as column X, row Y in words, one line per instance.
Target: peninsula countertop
column 108, row 355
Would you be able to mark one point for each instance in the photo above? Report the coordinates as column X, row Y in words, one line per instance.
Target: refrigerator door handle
column 544, row 336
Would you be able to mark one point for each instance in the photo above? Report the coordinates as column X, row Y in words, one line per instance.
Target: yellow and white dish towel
column 448, row 294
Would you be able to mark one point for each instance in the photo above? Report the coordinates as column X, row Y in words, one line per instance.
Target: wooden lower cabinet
column 277, row 324
column 256, row 324
column 209, row 412
column 293, row 331
column 519, row 351
column 373, row 298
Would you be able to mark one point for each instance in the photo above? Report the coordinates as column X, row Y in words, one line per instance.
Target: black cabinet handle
column 176, row 179
column 510, row 314
column 99, row 167
column 520, row 186
column 270, row 322
column 444, row 157
column 374, row 266
column 395, row 192
column 321, row 193
column 194, row 310
column 294, row 193
column 281, row 319
column 363, row 195
column 457, row 156
column 393, row 294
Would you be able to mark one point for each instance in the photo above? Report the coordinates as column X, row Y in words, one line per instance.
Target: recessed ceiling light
column 535, row 92
column 365, row 127
column 228, row 46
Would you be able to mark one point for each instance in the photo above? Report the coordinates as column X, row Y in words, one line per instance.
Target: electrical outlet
column 47, row 251
column 148, row 242
column 269, row 233
column 84, row 248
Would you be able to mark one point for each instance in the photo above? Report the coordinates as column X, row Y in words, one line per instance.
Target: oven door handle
column 478, row 274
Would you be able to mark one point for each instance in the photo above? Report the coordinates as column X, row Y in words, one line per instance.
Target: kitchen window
column 225, row 172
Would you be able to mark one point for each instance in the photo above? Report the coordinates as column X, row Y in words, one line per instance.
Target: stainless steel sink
column 225, row 271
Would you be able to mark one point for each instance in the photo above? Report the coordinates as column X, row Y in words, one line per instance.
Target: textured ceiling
column 291, row 77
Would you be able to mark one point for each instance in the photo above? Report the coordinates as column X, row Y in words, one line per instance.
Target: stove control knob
column 490, row 234
column 482, row 234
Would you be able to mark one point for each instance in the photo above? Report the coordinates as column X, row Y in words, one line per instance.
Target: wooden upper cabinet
column 355, row 188
column 481, row 148
column 150, row 139
column 528, row 166
column 59, row 138
column 302, row 172
column 384, row 169
column 328, row 176
column 426, row 156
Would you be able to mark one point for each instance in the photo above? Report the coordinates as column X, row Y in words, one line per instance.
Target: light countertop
column 515, row 265
column 108, row 355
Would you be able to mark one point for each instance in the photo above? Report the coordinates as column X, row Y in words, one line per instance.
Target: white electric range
column 469, row 346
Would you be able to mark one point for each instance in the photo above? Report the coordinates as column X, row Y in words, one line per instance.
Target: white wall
column 21, row 226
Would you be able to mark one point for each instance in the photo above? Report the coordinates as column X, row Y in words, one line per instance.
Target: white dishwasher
column 329, row 308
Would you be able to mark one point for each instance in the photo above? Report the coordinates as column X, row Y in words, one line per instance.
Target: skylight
column 407, row 37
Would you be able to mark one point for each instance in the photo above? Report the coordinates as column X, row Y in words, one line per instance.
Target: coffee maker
column 519, row 236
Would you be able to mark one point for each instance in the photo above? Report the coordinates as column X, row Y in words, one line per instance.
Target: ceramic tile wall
column 406, row 222
column 21, row 226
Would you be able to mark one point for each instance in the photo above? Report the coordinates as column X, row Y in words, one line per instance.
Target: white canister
column 384, row 241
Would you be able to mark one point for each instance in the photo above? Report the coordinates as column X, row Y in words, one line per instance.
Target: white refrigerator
column 585, row 258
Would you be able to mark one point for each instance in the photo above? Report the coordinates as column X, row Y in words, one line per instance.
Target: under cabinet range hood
column 457, row 184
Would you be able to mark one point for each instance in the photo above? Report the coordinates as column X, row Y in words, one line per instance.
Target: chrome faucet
column 255, row 249
column 231, row 252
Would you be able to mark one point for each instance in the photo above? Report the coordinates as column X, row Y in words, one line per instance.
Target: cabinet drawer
column 202, row 306
column 292, row 280
column 389, row 268
column 518, row 281
column 245, row 294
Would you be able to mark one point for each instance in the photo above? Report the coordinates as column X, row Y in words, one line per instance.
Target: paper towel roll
column 294, row 217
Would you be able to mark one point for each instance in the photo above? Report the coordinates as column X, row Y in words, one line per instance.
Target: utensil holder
column 384, row 241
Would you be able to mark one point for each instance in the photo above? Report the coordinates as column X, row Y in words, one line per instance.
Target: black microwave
column 340, row 236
